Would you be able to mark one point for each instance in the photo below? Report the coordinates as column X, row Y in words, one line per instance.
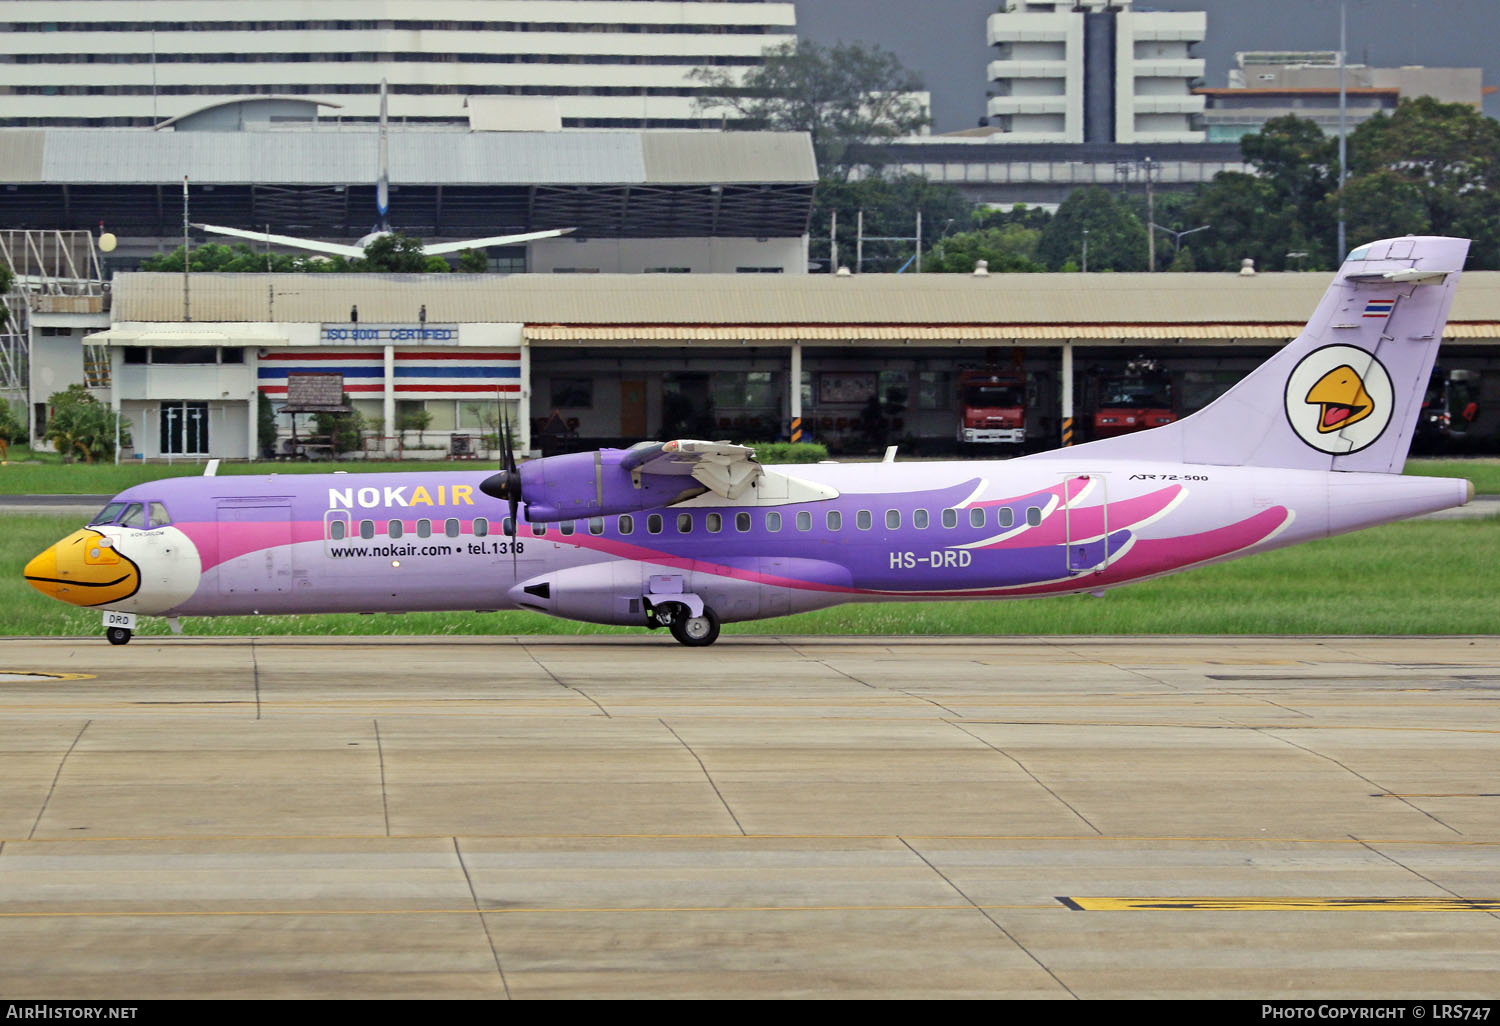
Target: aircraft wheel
column 696, row 631
column 118, row 635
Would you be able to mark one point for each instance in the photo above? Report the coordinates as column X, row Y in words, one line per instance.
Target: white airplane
column 382, row 205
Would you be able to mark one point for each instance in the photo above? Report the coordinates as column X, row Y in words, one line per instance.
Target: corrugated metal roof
column 904, row 333
column 337, row 157
column 617, row 300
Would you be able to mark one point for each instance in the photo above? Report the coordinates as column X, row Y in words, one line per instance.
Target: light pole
column 1343, row 124
column 1177, row 236
column 1085, row 251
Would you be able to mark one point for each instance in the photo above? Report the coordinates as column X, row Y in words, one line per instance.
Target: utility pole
column 859, row 244
column 1150, row 219
column 1085, row 251
column 833, row 243
column 1343, row 124
column 919, row 242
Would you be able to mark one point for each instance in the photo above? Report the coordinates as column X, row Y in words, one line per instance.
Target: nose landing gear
column 118, row 635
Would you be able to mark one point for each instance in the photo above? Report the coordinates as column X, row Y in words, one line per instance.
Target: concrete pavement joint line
column 559, row 682
column 385, row 802
column 513, row 910
column 60, row 763
column 1060, row 800
column 1420, row 876
column 1123, row 669
column 1356, row 773
column 255, row 669
column 985, row 912
column 483, row 922
column 931, row 701
column 708, row 776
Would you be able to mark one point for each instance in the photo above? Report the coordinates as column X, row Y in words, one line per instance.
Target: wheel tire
column 697, row 631
column 118, row 635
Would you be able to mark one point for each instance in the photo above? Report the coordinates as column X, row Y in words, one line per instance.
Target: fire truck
column 1138, row 399
column 992, row 405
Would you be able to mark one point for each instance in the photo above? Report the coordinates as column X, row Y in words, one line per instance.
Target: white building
column 1095, row 71
column 607, row 63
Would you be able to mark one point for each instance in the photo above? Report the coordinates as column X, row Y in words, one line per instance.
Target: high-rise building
column 1095, row 71
column 605, row 63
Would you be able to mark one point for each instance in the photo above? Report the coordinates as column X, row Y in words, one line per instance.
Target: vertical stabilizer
column 1345, row 394
column 383, row 181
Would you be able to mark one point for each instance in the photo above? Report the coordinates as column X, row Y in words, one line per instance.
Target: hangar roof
column 336, row 156
column 662, row 307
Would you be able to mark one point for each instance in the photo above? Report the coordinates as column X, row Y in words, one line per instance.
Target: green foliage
column 846, row 96
column 1012, row 248
column 6, row 278
column 1430, row 168
column 241, row 258
column 82, row 426
column 1117, row 239
column 265, row 423
column 473, row 261
column 890, row 206
column 345, row 431
column 12, row 429
column 789, row 452
column 394, row 253
column 413, row 420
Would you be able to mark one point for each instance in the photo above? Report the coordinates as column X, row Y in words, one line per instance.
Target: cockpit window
column 159, row 515
column 135, row 516
column 109, row 514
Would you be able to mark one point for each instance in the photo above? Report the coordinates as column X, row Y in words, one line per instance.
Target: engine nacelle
column 594, row 484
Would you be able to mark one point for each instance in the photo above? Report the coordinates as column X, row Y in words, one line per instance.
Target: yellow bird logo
column 1341, row 393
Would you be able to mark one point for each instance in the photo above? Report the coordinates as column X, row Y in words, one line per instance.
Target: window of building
column 184, row 428
column 572, row 393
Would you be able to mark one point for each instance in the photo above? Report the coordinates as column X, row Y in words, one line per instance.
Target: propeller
column 506, row 485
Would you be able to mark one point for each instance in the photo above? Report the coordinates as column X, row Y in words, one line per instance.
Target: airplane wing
column 439, row 248
column 333, row 248
column 724, row 469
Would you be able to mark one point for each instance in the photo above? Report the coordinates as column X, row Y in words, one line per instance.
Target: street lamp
column 1177, row 236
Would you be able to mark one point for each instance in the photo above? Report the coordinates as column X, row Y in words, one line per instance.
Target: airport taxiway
column 622, row 817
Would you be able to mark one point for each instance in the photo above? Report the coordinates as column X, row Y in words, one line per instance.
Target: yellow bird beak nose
column 84, row 570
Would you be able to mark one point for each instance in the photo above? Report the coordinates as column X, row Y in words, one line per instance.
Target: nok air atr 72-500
column 689, row 534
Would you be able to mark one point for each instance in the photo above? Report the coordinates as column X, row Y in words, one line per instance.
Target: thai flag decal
column 1379, row 307
column 426, row 374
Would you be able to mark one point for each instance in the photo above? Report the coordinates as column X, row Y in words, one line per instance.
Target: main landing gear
column 118, row 635
column 693, row 631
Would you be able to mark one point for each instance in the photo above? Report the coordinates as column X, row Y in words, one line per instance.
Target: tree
column 1116, row 237
column 413, row 420
column 473, row 261
column 1012, row 248
column 844, row 96
column 1429, row 168
column 214, row 256
column 82, row 426
column 394, row 253
column 344, row 431
column 6, row 278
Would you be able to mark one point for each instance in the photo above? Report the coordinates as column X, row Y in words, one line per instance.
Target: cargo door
column 255, row 546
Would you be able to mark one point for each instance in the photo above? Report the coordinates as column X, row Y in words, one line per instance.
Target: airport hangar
column 624, row 357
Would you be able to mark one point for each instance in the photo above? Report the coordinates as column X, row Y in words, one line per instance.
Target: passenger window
column 919, row 519
column 863, row 520
column 804, row 520
column 1006, row 516
column 715, row 523
column 159, row 517
column 481, row 527
column 684, row 523
column 367, row 529
column 626, row 523
column 976, row 516
column 394, row 529
column 835, row 520
column 893, row 519
column 773, row 521
column 742, row 522
column 653, row 524
column 538, row 530
column 1033, row 515
column 508, row 527
column 596, row 525
column 424, row 528
column 336, row 529
column 566, row 527
column 135, row 516
column 950, row 518
column 450, row 527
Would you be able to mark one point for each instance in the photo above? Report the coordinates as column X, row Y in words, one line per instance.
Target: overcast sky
column 943, row 40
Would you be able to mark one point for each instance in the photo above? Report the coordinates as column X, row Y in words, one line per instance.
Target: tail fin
column 1345, row 394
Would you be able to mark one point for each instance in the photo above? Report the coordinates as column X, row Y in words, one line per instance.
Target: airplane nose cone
column 83, row 570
